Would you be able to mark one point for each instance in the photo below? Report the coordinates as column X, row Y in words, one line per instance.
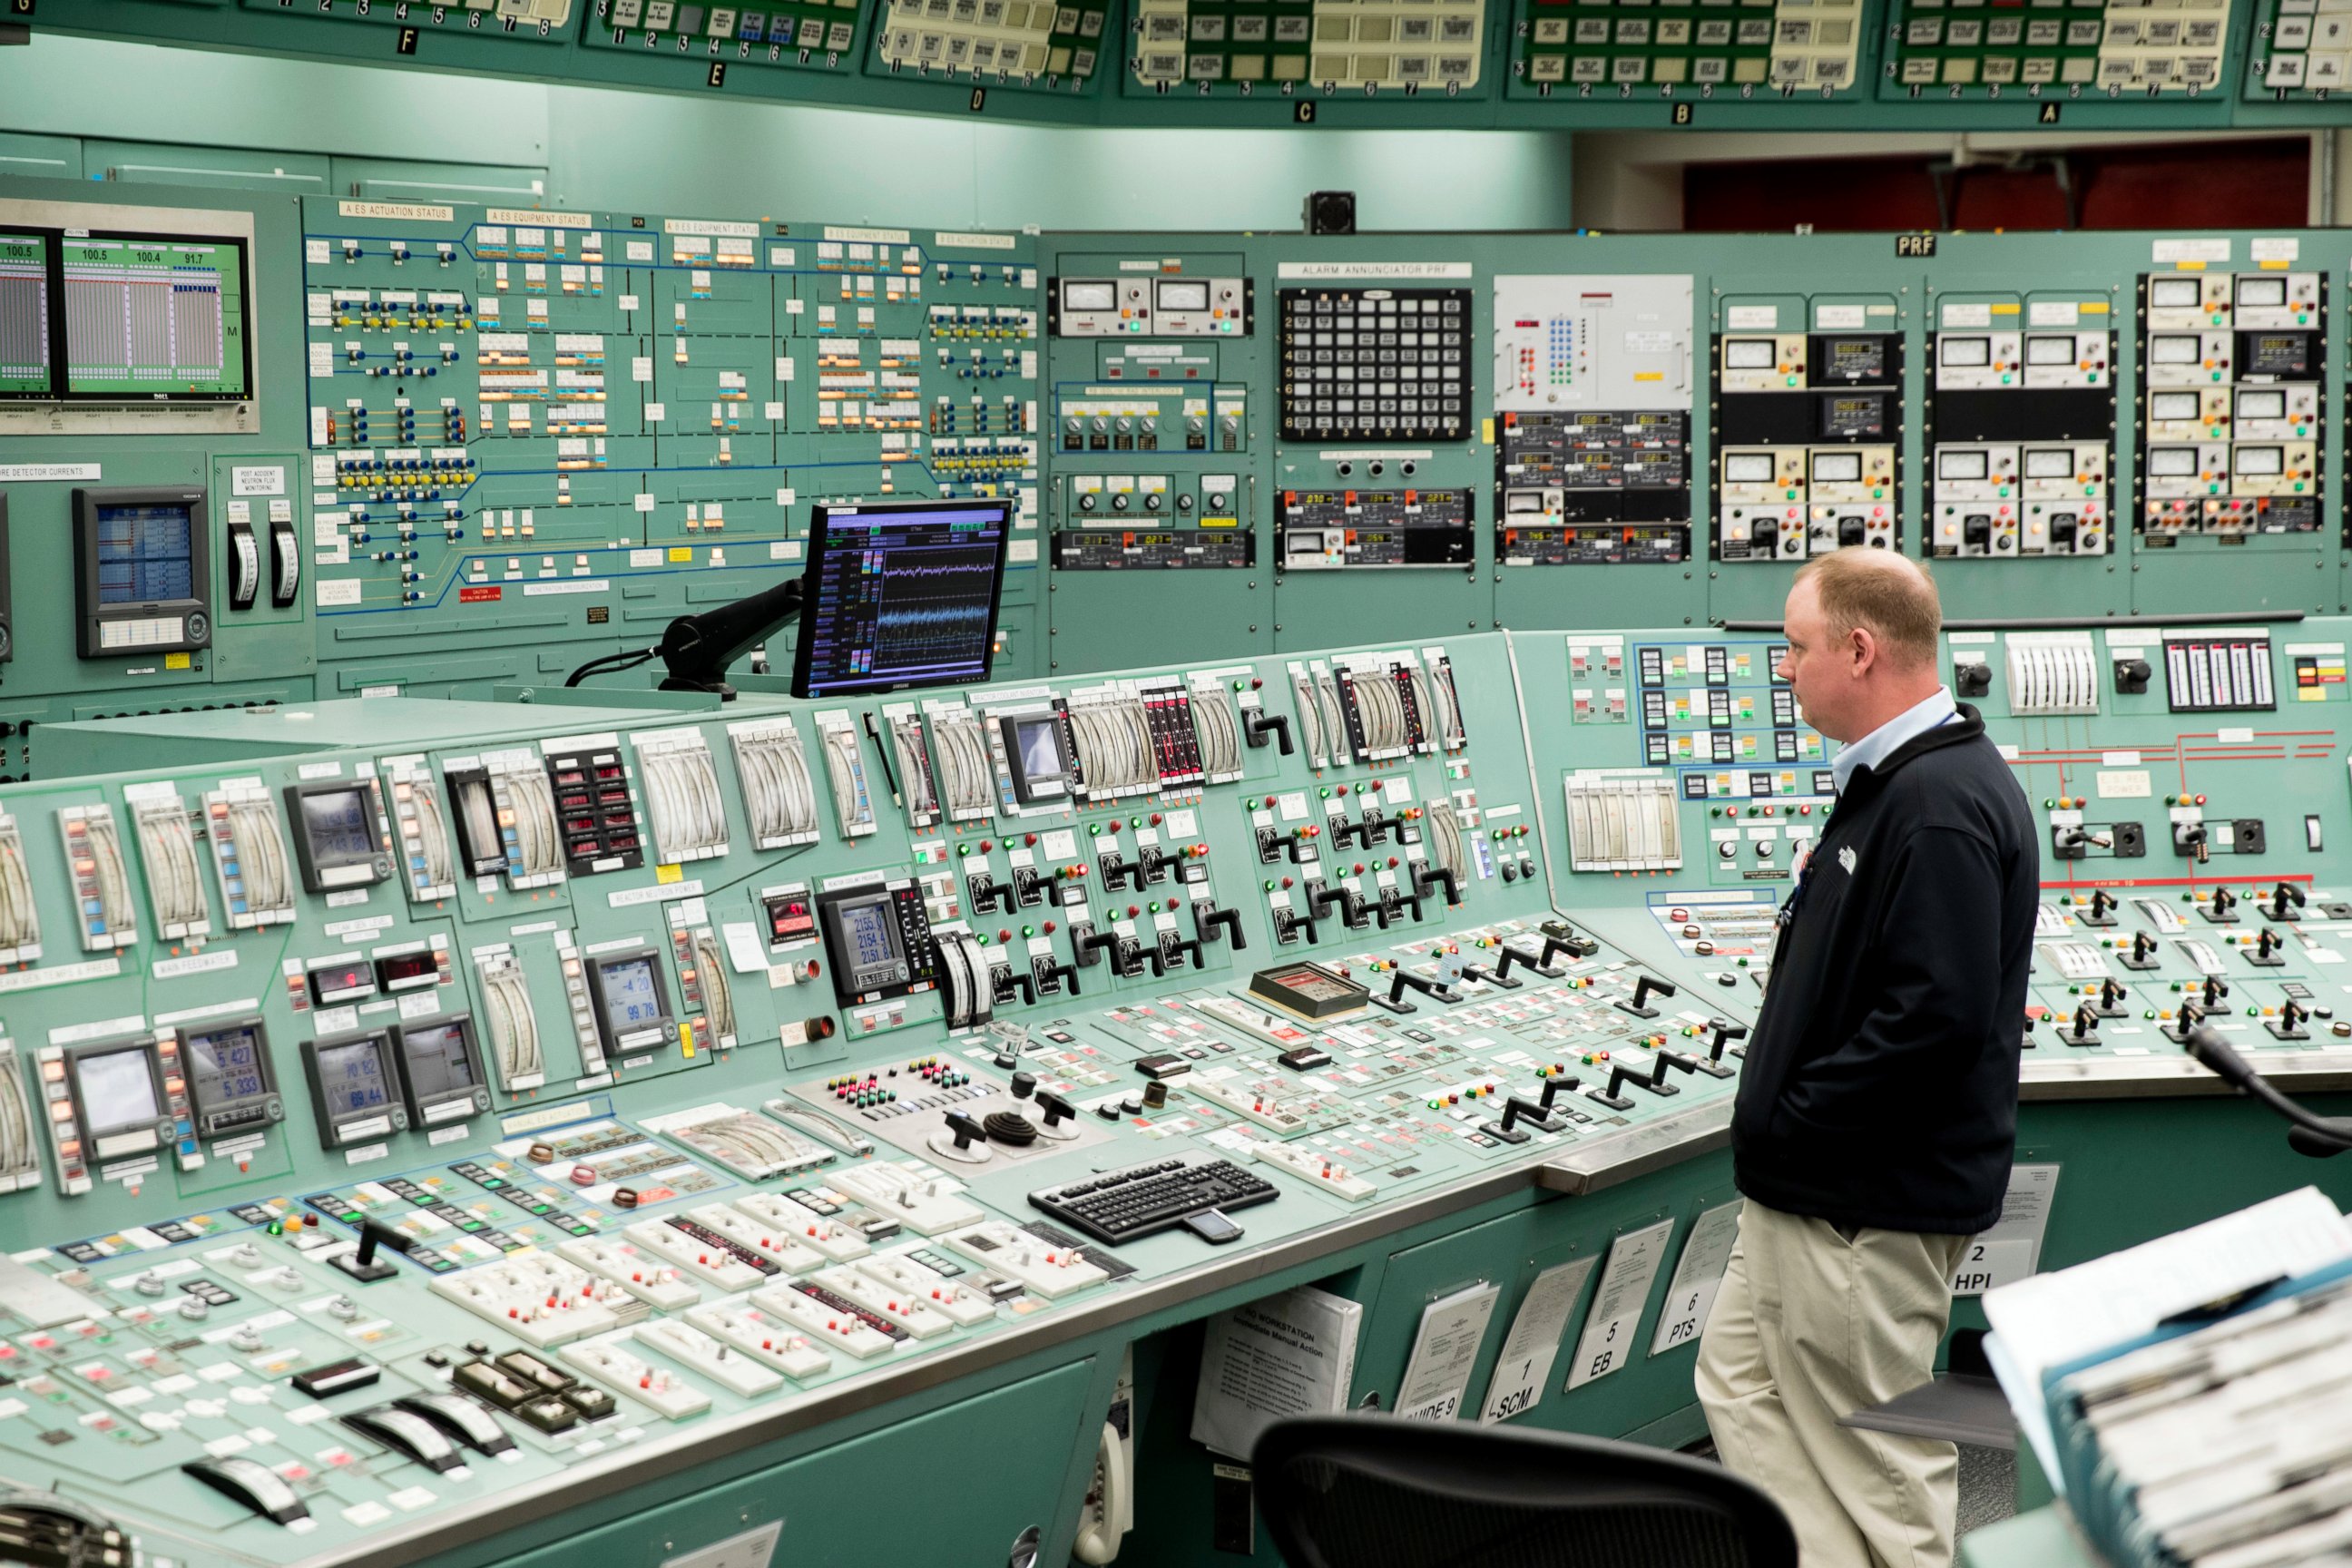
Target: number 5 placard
column 1607, row 1343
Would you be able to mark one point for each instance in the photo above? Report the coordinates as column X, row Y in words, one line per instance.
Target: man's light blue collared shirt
column 1888, row 738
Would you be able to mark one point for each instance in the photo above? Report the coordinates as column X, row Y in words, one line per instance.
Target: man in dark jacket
column 1877, row 1111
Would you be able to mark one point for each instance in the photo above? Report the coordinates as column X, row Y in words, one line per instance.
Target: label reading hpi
column 2011, row 1249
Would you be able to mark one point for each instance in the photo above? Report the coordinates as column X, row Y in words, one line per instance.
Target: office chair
column 1372, row 1491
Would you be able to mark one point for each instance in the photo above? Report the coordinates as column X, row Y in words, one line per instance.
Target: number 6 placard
column 1698, row 1275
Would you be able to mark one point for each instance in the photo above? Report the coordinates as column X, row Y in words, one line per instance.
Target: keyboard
column 1144, row 1199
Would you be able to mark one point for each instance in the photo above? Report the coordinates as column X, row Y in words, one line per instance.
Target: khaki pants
column 1808, row 1327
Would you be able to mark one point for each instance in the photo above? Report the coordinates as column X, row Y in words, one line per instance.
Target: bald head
column 1892, row 596
column 1862, row 626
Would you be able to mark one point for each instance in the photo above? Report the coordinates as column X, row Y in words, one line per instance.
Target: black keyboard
column 1143, row 1199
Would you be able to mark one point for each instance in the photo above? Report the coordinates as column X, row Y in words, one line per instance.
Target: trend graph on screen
column 901, row 596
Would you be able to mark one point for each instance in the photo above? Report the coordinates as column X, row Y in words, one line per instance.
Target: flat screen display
column 224, row 1066
column 27, row 356
column 351, row 1078
column 632, row 993
column 336, row 822
column 118, row 1090
column 1041, row 748
column 440, row 1064
column 900, row 595
column 146, row 553
column 155, row 318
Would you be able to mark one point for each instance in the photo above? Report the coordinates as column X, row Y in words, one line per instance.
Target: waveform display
column 904, row 604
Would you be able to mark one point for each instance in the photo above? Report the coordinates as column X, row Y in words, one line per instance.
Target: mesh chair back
column 1372, row 1491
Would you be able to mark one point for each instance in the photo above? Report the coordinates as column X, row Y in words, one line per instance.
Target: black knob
column 1024, row 1084
column 966, row 1131
column 1055, row 1108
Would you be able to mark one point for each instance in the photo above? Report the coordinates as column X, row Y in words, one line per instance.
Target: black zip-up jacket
column 1881, row 1086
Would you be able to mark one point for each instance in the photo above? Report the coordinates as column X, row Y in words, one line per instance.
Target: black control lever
column 1042, row 970
column 2287, row 901
column 2288, row 1025
column 1505, row 956
column 1154, row 863
column 2190, row 838
column 363, row 1264
column 1058, row 1109
column 1008, row 980
column 2190, row 1016
column 2102, row 908
column 1394, row 1001
column 1426, row 878
column 1118, row 871
column 2142, row 954
column 1643, row 987
column 1518, row 1110
column 1210, row 919
column 2110, row 1003
column 2216, row 989
column 1177, row 946
column 966, row 1131
column 2266, row 954
column 1559, row 936
column 1321, row 896
column 1093, row 942
column 1152, row 954
column 1288, row 920
column 1494, row 976
column 2086, row 1026
column 2223, row 909
column 1724, row 1032
column 988, row 893
column 1553, row 1087
column 1254, row 726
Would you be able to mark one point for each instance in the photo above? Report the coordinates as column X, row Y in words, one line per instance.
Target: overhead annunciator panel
column 2233, row 369
column 1576, row 48
column 1808, row 428
column 2021, row 412
column 1592, row 380
column 2114, row 48
column 1209, row 49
